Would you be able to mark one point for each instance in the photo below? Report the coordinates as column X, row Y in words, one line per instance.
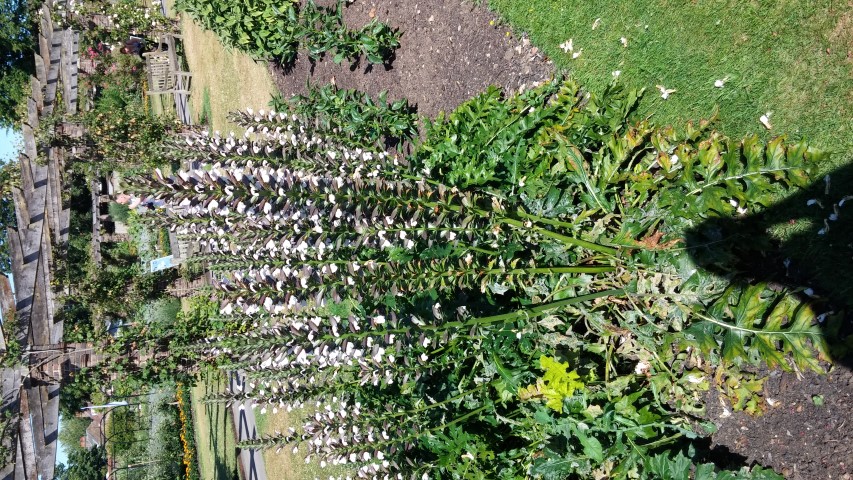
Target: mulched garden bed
column 450, row 52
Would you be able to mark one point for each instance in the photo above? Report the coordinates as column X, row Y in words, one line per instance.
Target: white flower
column 765, row 120
column 577, row 54
column 665, row 92
column 616, row 73
column 624, row 42
column 721, row 82
column 568, row 46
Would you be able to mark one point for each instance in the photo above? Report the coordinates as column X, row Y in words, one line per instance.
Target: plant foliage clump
column 354, row 115
column 510, row 301
column 271, row 29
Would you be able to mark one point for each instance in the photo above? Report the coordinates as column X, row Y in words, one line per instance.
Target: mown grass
column 206, row 113
column 233, row 80
column 285, row 460
column 214, row 427
column 791, row 58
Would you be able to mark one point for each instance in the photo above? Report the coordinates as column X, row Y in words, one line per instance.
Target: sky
column 10, row 141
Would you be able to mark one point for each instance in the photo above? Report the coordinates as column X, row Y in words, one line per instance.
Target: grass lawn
column 214, row 427
column 791, row 58
column 291, row 464
column 223, row 81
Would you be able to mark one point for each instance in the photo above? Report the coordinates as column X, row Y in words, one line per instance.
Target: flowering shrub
column 119, row 19
column 416, row 302
column 187, row 433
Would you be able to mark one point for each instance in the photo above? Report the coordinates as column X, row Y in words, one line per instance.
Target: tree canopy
column 83, row 464
column 17, row 44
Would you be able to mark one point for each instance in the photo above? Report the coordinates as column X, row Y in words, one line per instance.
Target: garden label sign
column 161, row 263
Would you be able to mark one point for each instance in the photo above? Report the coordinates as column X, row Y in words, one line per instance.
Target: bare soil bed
column 453, row 50
column 805, row 435
column 450, row 51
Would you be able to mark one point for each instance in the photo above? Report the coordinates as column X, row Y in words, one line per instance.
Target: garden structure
column 31, row 389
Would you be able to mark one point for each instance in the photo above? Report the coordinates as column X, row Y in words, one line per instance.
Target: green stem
column 563, row 238
column 458, row 419
column 443, row 402
column 541, row 309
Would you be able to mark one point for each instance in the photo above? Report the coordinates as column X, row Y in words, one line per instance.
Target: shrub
column 269, row 29
column 119, row 212
column 511, row 301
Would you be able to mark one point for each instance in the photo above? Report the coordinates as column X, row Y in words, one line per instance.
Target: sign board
column 161, row 263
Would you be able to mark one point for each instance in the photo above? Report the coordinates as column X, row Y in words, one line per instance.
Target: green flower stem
column 539, row 310
column 519, row 224
column 443, row 402
column 562, row 238
column 458, row 419
column 547, row 221
column 663, row 441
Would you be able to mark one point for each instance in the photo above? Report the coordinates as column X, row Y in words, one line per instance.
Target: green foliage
column 12, row 355
column 8, row 427
column 556, row 384
column 123, row 134
column 353, row 114
column 757, row 326
column 119, row 212
column 663, row 466
column 268, row 29
column 17, row 44
column 10, row 176
column 78, row 390
column 73, row 428
column 83, row 465
column 546, row 234
column 127, row 18
column 124, row 427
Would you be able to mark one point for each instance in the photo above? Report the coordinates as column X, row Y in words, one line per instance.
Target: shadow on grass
column 815, row 259
column 218, row 430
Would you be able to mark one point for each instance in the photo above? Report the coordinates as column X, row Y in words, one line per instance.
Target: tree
column 17, row 44
column 10, row 176
column 88, row 464
column 73, row 427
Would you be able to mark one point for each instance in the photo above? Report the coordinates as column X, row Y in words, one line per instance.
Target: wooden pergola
column 30, row 390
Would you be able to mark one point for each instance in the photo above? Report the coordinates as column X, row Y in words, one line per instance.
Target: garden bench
column 164, row 70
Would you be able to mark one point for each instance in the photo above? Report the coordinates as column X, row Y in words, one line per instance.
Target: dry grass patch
column 234, row 80
column 291, row 466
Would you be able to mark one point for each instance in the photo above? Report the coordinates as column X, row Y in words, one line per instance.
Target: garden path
column 251, row 460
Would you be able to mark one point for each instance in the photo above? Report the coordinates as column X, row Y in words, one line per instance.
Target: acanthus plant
column 351, row 279
column 273, row 29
